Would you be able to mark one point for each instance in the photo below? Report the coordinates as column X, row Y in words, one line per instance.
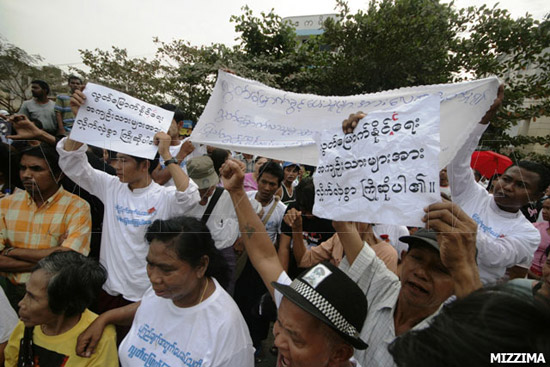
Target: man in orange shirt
column 40, row 220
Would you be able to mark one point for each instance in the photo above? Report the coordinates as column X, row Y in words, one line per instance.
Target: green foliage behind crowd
column 390, row 44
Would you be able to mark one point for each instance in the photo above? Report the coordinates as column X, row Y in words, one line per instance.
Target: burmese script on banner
column 385, row 171
column 247, row 116
column 116, row 121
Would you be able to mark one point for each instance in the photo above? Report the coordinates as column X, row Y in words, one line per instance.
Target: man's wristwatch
column 170, row 161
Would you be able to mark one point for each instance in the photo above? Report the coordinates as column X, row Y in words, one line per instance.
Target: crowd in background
column 190, row 258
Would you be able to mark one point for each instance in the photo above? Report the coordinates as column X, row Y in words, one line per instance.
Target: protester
column 182, row 150
column 475, row 331
column 286, row 192
column 247, row 159
column 54, row 312
column 185, row 317
column 539, row 258
column 132, row 202
column 251, row 178
column 320, row 314
column 314, row 231
column 63, row 113
column 505, row 238
column 39, row 220
column 40, row 107
column 332, row 249
column 535, row 288
column 215, row 209
column 249, row 288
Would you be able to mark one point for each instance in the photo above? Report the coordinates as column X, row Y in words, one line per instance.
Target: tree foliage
column 518, row 52
column 18, row 70
column 390, row 44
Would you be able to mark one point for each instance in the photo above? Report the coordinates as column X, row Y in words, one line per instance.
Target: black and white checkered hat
column 325, row 292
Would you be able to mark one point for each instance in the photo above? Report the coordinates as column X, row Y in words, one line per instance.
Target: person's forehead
column 38, row 282
column 162, row 254
column 426, row 250
column 266, row 176
column 295, row 319
column 522, row 174
column 546, row 203
column 31, row 160
column 124, row 156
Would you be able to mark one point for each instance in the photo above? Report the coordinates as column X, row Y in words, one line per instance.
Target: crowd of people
column 188, row 259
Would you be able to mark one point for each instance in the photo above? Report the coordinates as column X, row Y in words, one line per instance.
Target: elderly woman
column 54, row 312
column 185, row 318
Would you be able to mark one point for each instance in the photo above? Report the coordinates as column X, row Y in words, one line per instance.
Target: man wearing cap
column 290, row 173
column 215, row 209
column 320, row 313
column 440, row 262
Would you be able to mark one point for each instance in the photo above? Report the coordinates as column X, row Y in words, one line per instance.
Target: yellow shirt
column 59, row 348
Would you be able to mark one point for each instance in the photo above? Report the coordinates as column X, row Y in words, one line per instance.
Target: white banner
column 250, row 117
column 116, row 121
column 384, row 171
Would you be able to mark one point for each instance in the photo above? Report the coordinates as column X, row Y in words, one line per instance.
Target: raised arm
column 162, row 175
column 350, row 239
column 181, row 180
column 293, row 218
column 258, row 245
column 457, row 244
column 461, row 177
column 27, row 130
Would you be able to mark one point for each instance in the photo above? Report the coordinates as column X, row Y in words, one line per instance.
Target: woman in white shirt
column 185, row 318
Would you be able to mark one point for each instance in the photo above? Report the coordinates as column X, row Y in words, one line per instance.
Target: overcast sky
column 56, row 29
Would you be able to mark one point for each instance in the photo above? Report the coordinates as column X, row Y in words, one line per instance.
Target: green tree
column 393, row 44
column 518, row 52
column 18, row 70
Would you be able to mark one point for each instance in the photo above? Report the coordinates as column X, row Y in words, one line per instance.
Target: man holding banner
column 132, row 202
column 506, row 238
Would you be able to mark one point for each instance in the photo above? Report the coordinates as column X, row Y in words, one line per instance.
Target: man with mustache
column 42, row 219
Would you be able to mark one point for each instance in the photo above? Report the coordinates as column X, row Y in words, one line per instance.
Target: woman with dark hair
column 54, row 312
column 185, row 317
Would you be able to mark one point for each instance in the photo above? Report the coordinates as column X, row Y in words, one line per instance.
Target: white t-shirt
column 503, row 239
column 273, row 225
column 210, row 334
column 222, row 223
column 8, row 317
column 394, row 232
column 127, row 215
column 200, row 150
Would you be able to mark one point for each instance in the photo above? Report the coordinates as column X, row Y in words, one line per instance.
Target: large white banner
column 384, row 171
column 116, row 121
column 250, row 117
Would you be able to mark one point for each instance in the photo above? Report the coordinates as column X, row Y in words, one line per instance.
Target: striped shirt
column 23, row 225
column 382, row 287
column 64, row 108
